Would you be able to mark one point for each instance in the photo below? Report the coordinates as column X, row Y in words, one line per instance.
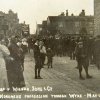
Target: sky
column 33, row 12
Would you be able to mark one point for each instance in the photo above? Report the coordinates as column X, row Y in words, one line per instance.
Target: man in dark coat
column 82, row 59
column 37, row 59
column 50, row 57
column 15, row 76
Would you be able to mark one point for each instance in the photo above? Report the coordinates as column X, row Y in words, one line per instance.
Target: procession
column 50, row 52
column 84, row 50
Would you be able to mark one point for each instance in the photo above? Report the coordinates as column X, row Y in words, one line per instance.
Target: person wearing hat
column 37, row 59
column 15, row 76
column 50, row 57
column 82, row 59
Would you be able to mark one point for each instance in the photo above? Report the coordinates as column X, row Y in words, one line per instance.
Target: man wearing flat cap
column 37, row 59
column 82, row 59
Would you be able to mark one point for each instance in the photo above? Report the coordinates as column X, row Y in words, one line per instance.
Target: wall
column 97, row 17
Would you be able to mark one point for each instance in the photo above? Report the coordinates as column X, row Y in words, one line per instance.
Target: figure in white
column 4, row 52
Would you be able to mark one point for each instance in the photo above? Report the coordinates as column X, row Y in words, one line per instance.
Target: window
column 76, row 24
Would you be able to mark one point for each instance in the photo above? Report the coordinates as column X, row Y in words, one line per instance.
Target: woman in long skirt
column 3, row 72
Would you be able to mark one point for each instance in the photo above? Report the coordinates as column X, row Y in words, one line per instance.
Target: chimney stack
column 72, row 14
column 82, row 13
column 66, row 12
column 62, row 14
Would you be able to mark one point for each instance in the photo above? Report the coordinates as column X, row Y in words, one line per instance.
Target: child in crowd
column 49, row 57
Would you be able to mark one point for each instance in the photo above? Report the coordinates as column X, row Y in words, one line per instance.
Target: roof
column 56, row 18
column 39, row 25
column 64, row 18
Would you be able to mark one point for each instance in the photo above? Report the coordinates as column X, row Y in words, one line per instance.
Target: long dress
column 17, row 78
column 3, row 72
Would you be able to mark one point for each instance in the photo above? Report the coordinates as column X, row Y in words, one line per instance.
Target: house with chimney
column 65, row 24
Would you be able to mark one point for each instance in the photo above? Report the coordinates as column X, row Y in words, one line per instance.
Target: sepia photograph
column 49, row 49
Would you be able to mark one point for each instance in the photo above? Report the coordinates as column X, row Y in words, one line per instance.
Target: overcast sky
column 35, row 11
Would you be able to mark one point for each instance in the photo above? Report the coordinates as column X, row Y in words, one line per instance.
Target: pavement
column 59, row 83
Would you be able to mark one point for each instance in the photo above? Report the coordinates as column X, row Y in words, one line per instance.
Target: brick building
column 2, row 21
column 64, row 24
column 82, row 24
column 24, row 29
column 97, row 17
column 9, row 24
column 38, row 29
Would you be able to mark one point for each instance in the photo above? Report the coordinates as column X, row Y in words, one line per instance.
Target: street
column 60, row 82
column 62, row 78
column 64, row 30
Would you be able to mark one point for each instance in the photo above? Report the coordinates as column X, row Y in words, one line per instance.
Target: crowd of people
column 12, row 54
column 84, row 49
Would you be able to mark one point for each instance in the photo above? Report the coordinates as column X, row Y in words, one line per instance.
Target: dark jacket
column 50, row 53
column 36, row 51
column 14, row 51
column 81, row 53
column 15, row 54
